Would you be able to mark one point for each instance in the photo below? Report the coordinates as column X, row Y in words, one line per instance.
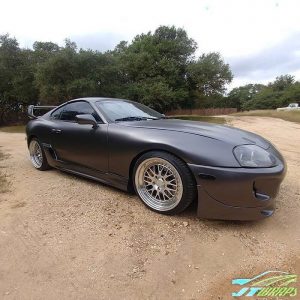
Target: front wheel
column 163, row 182
column 37, row 155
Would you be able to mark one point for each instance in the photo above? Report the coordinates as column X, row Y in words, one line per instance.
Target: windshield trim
column 109, row 120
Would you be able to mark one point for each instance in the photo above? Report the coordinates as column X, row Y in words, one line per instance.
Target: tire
column 37, row 155
column 164, row 182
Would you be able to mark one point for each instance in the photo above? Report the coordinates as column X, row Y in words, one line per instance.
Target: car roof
column 94, row 99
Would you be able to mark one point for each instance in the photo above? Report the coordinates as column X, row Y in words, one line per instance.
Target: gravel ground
column 64, row 237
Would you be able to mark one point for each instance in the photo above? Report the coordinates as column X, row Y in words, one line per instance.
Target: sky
column 259, row 39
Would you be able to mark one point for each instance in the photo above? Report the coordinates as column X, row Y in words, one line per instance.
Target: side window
column 57, row 113
column 78, row 108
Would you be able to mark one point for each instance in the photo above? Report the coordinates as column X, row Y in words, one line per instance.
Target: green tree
column 240, row 96
column 48, row 47
column 282, row 82
column 70, row 73
column 16, row 79
column 66, row 73
column 154, row 65
column 158, row 69
column 209, row 75
column 54, row 75
column 44, row 50
column 291, row 94
column 265, row 99
column 280, row 92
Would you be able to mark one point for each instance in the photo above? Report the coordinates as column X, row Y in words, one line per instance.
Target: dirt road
column 63, row 237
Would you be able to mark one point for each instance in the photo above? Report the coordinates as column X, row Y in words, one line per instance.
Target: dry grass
column 292, row 116
column 4, row 182
column 13, row 129
column 217, row 120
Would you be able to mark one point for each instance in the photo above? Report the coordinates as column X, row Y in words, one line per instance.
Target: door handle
column 56, row 130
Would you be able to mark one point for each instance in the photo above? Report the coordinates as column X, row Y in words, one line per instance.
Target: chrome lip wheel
column 159, row 184
column 36, row 155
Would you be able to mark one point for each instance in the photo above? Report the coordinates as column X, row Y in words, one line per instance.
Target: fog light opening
column 267, row 212
column 260, row 196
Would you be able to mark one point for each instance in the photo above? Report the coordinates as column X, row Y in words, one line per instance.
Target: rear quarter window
column 57, row 113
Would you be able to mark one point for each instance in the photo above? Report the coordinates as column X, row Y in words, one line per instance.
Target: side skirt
column 111, row 179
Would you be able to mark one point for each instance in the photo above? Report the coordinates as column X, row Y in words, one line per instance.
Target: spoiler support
column 32, row 108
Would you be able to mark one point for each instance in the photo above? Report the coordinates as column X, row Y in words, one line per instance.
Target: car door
column 76, row 144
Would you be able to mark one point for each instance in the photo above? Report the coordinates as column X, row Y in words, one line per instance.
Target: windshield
column 118, row 110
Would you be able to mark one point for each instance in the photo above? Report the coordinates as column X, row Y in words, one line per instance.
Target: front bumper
column 237, row 193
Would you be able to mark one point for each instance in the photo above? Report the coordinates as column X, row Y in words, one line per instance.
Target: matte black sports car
column 233, row 174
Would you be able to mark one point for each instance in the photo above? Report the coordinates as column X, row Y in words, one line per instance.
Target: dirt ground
column 64, row 237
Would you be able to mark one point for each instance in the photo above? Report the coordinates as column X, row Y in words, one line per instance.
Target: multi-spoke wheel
column 163, row 182
column 37, row 155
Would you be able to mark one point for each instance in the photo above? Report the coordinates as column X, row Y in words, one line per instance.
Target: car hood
column 219, row 132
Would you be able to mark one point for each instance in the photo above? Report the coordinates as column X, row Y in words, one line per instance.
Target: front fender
column 126, row 143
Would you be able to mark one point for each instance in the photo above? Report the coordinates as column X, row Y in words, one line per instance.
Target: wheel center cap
column 160, row 183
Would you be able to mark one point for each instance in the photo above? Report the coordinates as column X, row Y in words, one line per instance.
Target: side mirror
column 86, row 119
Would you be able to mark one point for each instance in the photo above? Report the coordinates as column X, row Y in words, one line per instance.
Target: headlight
column 252, row 156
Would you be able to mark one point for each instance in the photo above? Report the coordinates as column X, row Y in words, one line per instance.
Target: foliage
column 16, row 77
column 209, row 74
column 279, row 93
column 154, row 68
column 240, row 96
column 291, row 94
column 282, row 82
column 158, row 69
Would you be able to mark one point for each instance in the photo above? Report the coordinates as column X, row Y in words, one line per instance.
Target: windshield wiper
column 137, row 118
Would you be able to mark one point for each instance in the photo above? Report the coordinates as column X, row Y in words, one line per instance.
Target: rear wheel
column 163, row 182
column 37, row 155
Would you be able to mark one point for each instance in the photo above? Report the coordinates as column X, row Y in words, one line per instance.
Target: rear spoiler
column 32, row 108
